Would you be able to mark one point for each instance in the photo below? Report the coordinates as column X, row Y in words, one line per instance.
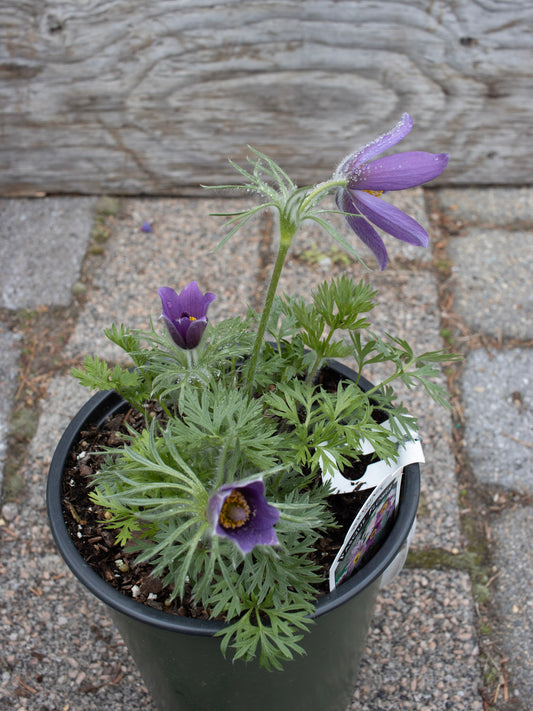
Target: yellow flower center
column 235, row 511
column 375, row 193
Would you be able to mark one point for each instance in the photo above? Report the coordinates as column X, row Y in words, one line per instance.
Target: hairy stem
column 318, row 191
column 287, row 232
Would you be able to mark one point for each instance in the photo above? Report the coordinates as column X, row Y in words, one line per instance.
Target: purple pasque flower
column 185, row 313
column 241, row 513
column 367, row 179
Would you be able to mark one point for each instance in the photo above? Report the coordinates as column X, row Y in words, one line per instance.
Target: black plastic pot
column 180, row 659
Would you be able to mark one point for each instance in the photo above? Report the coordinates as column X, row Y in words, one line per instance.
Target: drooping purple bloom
column 185, row 313
column 241, row 513
column 147, row 227
column 367, row 179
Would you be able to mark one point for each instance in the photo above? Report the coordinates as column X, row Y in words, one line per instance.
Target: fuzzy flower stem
column 287, row 232
column 191, row 357
column 322, row 188
column 289, row 224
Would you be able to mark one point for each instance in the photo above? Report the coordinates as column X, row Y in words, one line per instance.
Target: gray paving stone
column 513, row 555
column 422, row 649
column 498, row 406
column 56, row 637
column 42, row 245
column 412, row 202
column 178, row 251
column 406, row 301
column 492, row 281
column 494, row 206
column 407, row 307
column 438, row 511
column 9, row 351
column 64, row 398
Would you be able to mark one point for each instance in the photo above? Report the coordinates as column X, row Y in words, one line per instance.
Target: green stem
column 322, row 188
column 287, row 233
column 228, row 441
column 288, row 228
column 191, row 357
column 319, row 357
column 392, row 377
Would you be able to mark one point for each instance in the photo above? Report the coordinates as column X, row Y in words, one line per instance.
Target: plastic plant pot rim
column 95, row 411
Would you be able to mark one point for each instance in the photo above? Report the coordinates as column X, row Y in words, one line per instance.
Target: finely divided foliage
column 222, row 492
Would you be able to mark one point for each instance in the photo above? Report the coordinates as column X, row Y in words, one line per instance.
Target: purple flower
column 241, row 513
column 368, row 179
column 147, row 227
column 185, row 313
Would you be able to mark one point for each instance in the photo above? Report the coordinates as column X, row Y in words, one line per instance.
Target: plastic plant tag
column 370, row 527
column 409, row 452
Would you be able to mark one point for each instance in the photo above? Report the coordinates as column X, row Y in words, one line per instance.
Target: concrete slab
column 314, row 243
column 422, row 650
column 179, row 250
column 406, row 307
column 438, row 511
column 513, row 555
column 498, row 406
column 42, row 245
column 406, row 302
column 491, row 206
column 492, row 281
column 65, row 396
column 8, row 382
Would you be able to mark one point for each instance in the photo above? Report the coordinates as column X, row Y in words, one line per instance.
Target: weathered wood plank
column 126, row 96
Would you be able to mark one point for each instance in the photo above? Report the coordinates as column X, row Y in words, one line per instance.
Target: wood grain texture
column 133, row 97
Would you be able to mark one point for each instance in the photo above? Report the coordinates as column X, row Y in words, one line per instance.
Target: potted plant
column 258, row 489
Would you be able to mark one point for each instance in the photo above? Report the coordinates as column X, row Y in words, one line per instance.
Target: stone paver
column 65, row 396
column 422, row 647
column 507, row 207
column 42, row 245
column 412, row 202
column 492, row 272
column 9, row 349
column 513, row 556
column 179, row 250
column 498, row 407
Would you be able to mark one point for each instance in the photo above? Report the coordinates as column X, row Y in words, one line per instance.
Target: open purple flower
column 241, row 513
column 368, row 179
column 185, row 313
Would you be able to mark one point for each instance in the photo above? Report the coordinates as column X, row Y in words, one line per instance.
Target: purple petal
column 258, row 529
column 147, row 227
column 170, row 302
column 390, row 219
column 363, row 229
column 193, row 302
column 175, row 333
column 399, row 171
column 194, row 330
column 185, row 313
column 377, row 146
